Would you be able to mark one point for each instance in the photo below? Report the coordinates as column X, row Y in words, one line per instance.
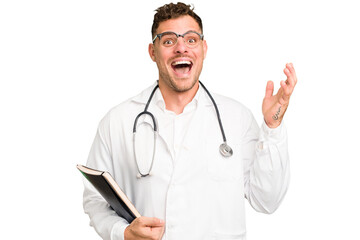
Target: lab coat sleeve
column 105, row 221
column 266, row 166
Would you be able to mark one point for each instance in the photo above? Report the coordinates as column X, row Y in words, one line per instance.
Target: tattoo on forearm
column 276, row 116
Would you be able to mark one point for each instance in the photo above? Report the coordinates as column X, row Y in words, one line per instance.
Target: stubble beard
column 181, row 88
column 177, row 85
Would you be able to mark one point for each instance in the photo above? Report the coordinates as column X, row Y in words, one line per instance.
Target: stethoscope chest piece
column 226, row 150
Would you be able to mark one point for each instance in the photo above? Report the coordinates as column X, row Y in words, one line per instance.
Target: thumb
column 269, row 89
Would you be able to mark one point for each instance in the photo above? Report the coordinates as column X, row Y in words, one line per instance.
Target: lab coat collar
column 192, row 137
column 201, row 97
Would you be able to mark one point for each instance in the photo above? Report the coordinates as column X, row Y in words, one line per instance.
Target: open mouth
column 182, row 67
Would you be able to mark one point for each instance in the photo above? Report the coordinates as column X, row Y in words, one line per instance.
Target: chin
column 184, row 88
column 183, row 85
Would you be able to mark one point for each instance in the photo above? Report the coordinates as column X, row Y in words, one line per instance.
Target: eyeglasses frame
column 177, row 35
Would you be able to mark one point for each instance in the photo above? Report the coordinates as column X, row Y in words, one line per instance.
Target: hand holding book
column 145, row 228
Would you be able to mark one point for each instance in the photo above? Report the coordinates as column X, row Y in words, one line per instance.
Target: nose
column 180, row 46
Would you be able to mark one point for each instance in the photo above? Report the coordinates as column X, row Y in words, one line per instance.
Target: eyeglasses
column 169, row 39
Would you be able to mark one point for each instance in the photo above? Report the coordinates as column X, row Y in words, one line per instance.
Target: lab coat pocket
column 222, row 168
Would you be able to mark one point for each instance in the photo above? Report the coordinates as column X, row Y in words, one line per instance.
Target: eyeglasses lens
column 170, row 39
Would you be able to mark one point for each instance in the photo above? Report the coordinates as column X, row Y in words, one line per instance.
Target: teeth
column 181, row 62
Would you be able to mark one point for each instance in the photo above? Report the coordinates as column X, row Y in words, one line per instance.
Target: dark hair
column 171, row 11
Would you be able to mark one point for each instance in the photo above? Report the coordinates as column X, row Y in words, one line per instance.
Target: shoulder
column 234, row 114
column 231, row 105
column 127, row 110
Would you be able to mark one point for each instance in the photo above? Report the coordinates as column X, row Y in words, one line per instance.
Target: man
column 193, row 192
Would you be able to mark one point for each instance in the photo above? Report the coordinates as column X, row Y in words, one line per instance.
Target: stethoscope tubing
column 224, row 148
column 217, row 111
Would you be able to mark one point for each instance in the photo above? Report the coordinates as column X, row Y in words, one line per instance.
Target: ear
column 152, row 52
column 205, row 48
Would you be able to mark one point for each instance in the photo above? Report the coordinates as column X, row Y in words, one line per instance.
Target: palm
column 274, row 106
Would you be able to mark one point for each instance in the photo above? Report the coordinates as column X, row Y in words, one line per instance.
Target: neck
column 176, row 101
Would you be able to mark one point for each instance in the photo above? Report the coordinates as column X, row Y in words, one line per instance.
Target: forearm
column 269, row 173
column 104, row 220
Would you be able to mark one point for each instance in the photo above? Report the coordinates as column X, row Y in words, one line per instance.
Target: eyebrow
column 191, row 30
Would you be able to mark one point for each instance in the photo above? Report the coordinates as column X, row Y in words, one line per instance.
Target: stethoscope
column 224, row 148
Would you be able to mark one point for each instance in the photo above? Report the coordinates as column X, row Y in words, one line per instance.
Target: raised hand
column 274, row 106
column 145, row 228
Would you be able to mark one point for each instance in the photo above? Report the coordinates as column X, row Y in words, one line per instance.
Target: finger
column 284, row 86
column 269, row 89
column 290, row 73
column 152, row 222
column 284, row 93
column 290, row 66
column 293, row 72
column 286, row 90
column 290, row 81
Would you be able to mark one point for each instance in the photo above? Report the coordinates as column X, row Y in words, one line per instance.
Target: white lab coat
column 200, row 194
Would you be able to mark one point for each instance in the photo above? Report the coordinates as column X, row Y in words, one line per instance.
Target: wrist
column 273, row 124
column 127, row 233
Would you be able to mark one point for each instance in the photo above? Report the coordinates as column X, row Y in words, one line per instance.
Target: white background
column 64, row 64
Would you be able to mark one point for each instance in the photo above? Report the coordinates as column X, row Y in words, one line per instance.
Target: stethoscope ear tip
column 138, row 176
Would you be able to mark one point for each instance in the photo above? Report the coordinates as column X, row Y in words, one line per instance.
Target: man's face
column 176, row 76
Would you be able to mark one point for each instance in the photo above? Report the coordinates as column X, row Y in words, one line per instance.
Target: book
column 111, row 192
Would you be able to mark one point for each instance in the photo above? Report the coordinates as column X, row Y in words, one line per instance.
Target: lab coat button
column 260, row 145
